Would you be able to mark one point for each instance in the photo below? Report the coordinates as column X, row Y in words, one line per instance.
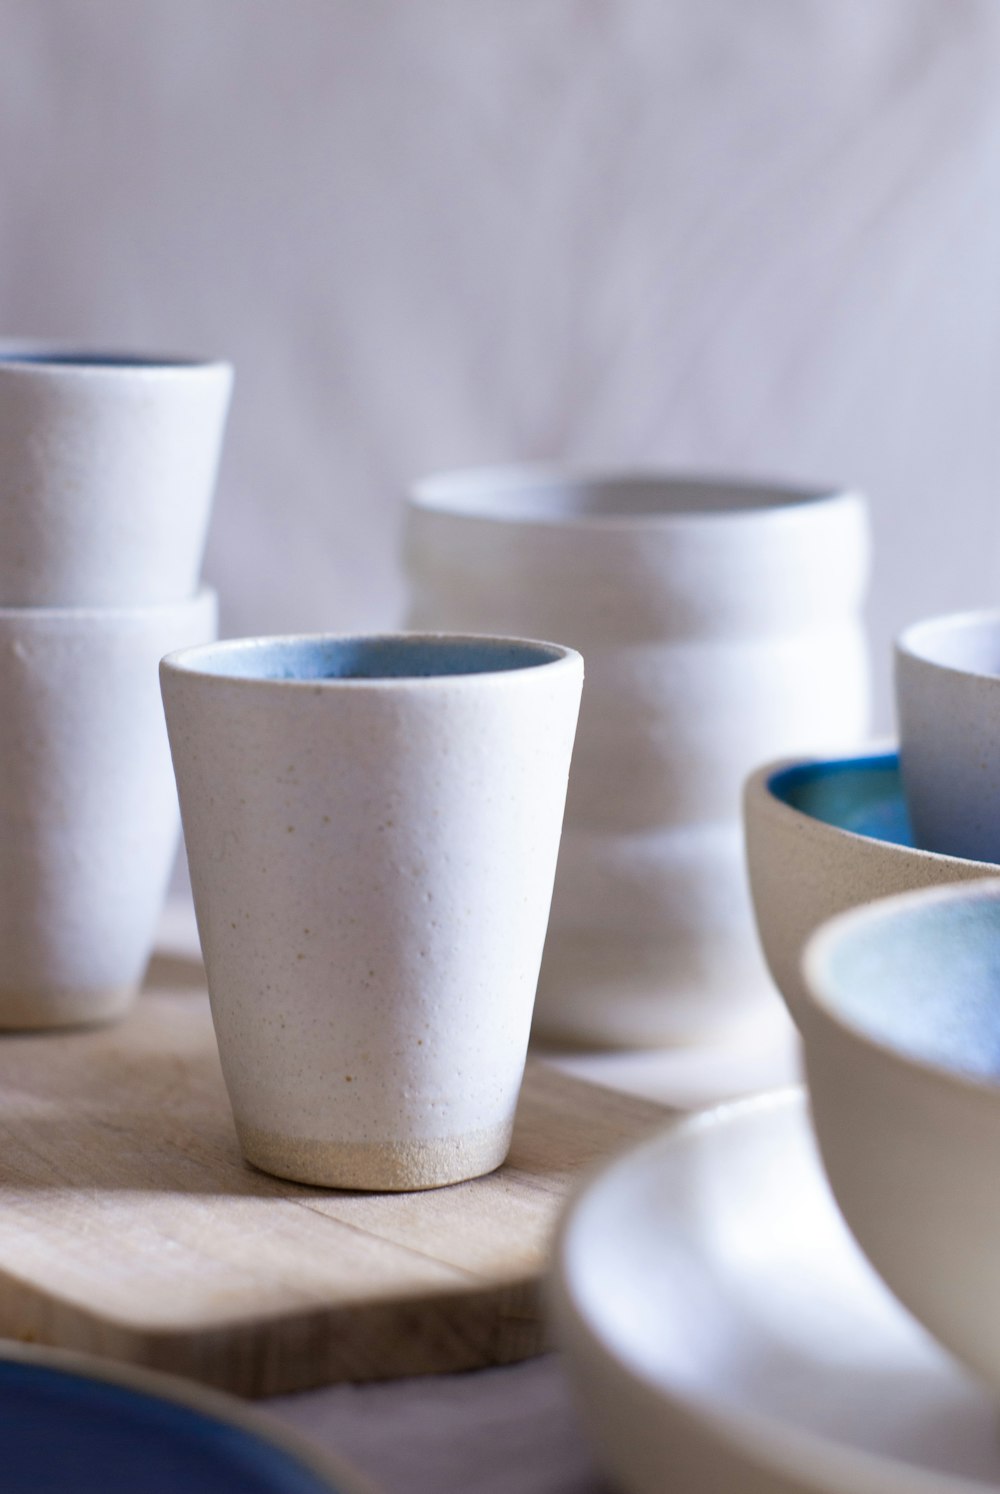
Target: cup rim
column 457, row 494
column 195, row 662
column 819, row 1001
column 915, row 641
column 87, row 614
column 37, row 356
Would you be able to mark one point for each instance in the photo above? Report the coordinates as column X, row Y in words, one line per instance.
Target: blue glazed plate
column 71, row 1425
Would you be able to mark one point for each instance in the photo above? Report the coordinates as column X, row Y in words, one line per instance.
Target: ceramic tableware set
column 765, row 1336
column 108, row 470
column 373, row 823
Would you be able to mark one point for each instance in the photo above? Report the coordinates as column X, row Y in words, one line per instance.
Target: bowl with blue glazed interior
column 824, row 835
column 901, row 1027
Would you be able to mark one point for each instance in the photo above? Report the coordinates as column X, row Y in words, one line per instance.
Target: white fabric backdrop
column 752, row 237
column 760, row 237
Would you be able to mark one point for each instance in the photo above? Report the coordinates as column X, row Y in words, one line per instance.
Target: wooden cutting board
column 131, row 1227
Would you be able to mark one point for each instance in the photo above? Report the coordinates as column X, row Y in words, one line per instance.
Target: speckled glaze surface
column 720, row 622
column 947, row 676
column 372, row 826
column 902, row 1040
column 88, row 809
column 107, row 475
column 826, row 835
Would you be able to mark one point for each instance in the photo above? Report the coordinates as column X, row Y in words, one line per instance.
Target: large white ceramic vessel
column 720, row 622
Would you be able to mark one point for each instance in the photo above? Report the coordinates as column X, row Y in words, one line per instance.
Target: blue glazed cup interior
column 387, row 657
column 68, row 358
column 920, row 975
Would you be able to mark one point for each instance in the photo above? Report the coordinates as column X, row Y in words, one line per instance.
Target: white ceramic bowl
column 720, row 622
column 824, row 835
column 901, row 1025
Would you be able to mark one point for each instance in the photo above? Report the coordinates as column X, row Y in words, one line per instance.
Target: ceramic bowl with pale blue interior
column 901, row 1025
column 824, row 835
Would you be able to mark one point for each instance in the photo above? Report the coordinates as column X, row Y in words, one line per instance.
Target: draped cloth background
column 740, row 237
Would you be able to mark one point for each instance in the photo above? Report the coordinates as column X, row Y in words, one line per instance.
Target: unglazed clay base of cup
column 372, row 828
column 382, row 1166
column 25, row 1009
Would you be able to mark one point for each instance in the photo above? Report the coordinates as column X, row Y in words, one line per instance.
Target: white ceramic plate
column 726, row 1334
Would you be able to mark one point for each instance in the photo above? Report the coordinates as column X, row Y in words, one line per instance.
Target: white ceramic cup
column 88, row 808
column 107, row 472
column 372, row 827
column 948, row 708
column 720, row 621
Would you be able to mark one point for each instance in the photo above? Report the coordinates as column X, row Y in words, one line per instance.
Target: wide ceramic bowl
column 901, row 1025
column 723, row 1332
column 826, row 835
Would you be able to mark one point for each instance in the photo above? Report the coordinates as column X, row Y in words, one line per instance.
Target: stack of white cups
column 107, row 471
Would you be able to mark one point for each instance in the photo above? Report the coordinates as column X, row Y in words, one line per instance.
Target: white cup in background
column 947, row 679
column 107, row 473
column 88, row 808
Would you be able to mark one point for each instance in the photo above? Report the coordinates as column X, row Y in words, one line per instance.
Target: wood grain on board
column 131, row 1227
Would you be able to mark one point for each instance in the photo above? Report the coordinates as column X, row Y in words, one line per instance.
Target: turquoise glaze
column 924, row 980
column 862, row 794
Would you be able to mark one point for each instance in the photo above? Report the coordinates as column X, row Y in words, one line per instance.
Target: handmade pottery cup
column 88, row 809
column 948, row 705
column 720, row 621
column 372, row 827
column 902, row 1041
column 824, row 835
column 107, row 471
